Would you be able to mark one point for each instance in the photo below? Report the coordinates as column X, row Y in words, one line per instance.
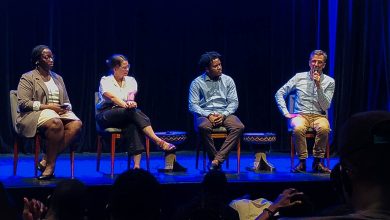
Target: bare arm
column 117, row 101
column 283, row 200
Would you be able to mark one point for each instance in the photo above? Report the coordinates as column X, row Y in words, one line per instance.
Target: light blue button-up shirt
column 308, row 99
column 208, row 96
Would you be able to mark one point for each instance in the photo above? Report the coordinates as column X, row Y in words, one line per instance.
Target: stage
column 178, row 187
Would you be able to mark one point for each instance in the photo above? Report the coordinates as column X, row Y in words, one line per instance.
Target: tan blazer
column 32, row 88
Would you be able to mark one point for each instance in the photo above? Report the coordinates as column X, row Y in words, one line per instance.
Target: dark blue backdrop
column 263, row 44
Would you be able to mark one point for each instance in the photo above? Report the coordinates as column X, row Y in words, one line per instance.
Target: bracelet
column 270, row 213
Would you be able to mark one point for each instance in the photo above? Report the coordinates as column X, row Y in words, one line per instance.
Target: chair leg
column 292, row 155
column 113, row 139
column 128, row 159
column 197, row 152
column 16, row 155
column 99, row 152
column 37, row 151
column 147, row 153
column 204, row 157
column 327, row 154
column 238, row 156
column 72, row 163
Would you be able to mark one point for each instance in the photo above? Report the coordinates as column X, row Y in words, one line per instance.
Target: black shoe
column 299, row 168
column 40, row 167
column 214, row 167
column 320, row 168
column 46, row 177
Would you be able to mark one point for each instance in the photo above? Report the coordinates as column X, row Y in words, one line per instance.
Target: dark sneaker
column 214, row 166
column 299, row 168
column 320, row 168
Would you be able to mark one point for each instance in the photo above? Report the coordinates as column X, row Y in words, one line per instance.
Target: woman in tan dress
column 44, row 106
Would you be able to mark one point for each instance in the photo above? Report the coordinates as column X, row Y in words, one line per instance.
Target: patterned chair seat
column 259, row 138
column 174, row 137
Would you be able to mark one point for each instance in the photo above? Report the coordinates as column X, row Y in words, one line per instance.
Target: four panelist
column 44, row 106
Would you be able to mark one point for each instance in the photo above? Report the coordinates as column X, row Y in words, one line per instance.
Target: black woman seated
column 44, row 106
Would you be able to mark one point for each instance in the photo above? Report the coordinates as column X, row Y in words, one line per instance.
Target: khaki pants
column 300, row 125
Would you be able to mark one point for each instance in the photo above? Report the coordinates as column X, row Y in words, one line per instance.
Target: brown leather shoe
column 320, row 168
column 299, row 168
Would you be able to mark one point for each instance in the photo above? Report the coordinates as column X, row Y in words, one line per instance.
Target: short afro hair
column 206, row 59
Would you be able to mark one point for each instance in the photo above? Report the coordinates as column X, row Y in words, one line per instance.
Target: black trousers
column 131, row 121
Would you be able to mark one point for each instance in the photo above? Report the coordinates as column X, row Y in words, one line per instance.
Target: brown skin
column 317, row 64
column 283, row 200
column 59, row 133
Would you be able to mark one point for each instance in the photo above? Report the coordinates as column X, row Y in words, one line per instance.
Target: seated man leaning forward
column 314, row 91
column 213, row 101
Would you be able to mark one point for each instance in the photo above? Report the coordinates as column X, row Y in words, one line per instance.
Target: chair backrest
column 98, row 128
column 96, row 101
column 13, row 98
column 290, row 103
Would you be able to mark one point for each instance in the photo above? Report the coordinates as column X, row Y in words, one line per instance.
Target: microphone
column 315, row 71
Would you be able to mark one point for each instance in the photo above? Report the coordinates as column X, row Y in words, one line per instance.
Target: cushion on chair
column 113, row 130
column 219, row 130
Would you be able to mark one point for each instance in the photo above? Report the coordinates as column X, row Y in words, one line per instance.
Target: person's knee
column 78, row 125
column 238, row 128
column 204, row 127
column 241, row 127
column 54, row 125
column 299, row 129
column 324, row 130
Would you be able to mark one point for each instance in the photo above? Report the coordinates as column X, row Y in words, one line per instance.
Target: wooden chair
column 310, row 134
column 114, row 133
column 37, row 139
column 217, row 133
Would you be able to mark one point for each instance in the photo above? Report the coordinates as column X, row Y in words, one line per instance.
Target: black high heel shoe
column 46, row 177
column 40, row 167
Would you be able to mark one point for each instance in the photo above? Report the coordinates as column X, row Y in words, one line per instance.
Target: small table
column 260, row 163
column 176, row 138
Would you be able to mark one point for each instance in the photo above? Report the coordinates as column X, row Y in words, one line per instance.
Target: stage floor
column 177, row 188
column 85, row 169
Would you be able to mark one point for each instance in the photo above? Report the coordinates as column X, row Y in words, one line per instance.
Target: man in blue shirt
column 314, row 91
column 213, row 101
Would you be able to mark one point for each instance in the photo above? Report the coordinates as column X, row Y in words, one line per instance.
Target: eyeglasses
column 125, row 67
column 48, row 57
